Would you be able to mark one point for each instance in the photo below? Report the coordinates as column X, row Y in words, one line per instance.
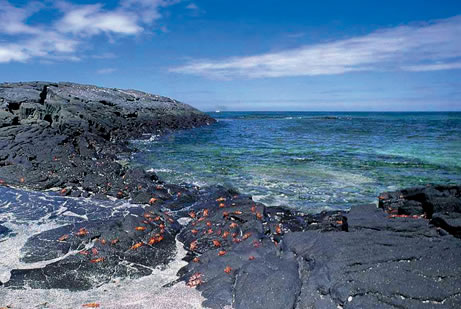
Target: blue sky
column 245, row 55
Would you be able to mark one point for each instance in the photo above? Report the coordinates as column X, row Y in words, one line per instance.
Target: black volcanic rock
column 277, row 258
column 97, row 251
column 441, row 204
column 69, row 136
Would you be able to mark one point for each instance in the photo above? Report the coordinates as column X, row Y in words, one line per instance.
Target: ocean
column 311, row 161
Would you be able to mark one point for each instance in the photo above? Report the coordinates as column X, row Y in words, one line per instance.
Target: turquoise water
column 311, row 161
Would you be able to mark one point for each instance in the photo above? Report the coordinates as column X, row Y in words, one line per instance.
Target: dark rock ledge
column 404, row 254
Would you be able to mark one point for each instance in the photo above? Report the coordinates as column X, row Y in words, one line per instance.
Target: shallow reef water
column 311, row 160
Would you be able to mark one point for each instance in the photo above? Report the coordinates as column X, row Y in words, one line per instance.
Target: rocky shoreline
column 72, row 139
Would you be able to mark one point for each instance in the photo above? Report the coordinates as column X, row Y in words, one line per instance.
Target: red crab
column 136, row 246
column 194, row 280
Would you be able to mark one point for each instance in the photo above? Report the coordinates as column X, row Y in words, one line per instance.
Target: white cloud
column 192, row 6
column 409, row 48
column 92, row 20
column 106, row 71
column 63, row 38
column 12, row 53
column 12, row 18
column 433, row 67
column 148, row 10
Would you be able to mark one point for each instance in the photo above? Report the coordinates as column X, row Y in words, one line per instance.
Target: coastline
column 275, row 251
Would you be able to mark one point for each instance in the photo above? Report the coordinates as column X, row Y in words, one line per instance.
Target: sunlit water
column 311, row 161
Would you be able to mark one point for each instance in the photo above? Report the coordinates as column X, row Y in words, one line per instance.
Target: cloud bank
column 425, row 47
column 62, row 38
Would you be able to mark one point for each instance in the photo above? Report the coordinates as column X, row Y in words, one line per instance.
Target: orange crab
column 193, row 245
column 216, row 243
column 63, row 191
column 228, row 269
column 194, row 280
column 98, row 260
column 194, row 231
column 253, row 209
column 196, row 259
column 222, row 205
column 237, row 212
column 208, row 223
column 136, row 246
column 205, row 212
column 94, row 251
column 140, row 228
column 82, row 232
column 225, row 234
column 192, row 214
column 222, row 252
column 210, row 231
column 246, row 236
column 278, row 230
column 63, row 237
column 251, row 258
column 152, row 200
column 233, row 225
column 91, row 305
column 259, row 216
column 221, row 199
column 22, row 180
column 225, row 213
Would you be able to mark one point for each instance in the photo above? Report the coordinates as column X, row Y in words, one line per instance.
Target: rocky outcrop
column 70, row 136
column 248, row 256
column 440, row 204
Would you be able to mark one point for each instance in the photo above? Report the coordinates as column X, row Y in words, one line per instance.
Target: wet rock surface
column 440, row 204
column 245, row 255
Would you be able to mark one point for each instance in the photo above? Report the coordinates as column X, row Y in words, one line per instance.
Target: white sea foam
column 10, row 247
column 145, row 292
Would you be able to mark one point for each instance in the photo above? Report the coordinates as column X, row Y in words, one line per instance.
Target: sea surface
column 311, row 160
